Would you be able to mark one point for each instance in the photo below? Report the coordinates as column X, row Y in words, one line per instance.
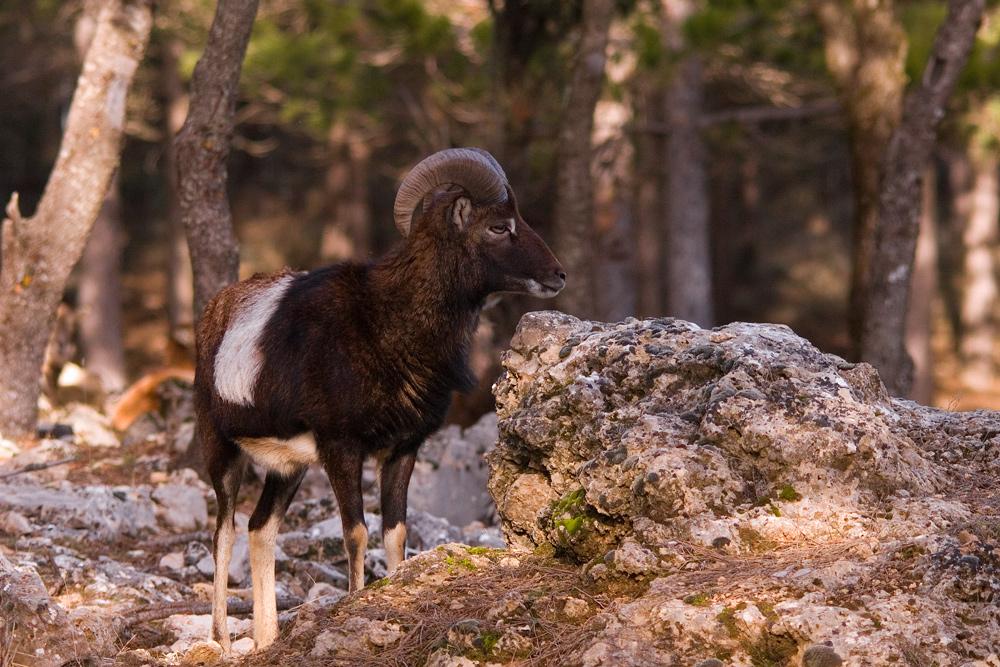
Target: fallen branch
column 172, row 540
column 234, row 608
column 34, row 467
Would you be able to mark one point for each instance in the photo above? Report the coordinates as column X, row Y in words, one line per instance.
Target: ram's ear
column 461, row 212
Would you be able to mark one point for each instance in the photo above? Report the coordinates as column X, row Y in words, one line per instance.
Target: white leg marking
column 356, row 545
column 239, row 359
column 394, row 541
column 220, row 590
column 265, row 606
column 282, row 456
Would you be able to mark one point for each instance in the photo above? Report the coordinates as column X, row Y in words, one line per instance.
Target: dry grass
column 427, row 617
column 426, row 612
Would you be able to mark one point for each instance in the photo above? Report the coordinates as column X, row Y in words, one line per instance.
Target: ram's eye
column 499, row 229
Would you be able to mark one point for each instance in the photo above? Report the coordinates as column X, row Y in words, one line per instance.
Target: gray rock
column 426, row 531
column 99, row 511
column 710, row 662
column 655, row 425
column 172, row 561
column 449, row 478
column 14, row 523
column 40, row 627
column 181, row 507
column 324, row 594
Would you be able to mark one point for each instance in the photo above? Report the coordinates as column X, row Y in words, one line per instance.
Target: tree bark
column 923, row 294
column 203, row 148
column 649, row 228
column 100, row 284
column 100, row 296
column 180, row 285
column 687, row 257
column 574, row 229
column 38, row 253
column 979, row 294
column 884, row 315
column 347, row 233
column 865, row 54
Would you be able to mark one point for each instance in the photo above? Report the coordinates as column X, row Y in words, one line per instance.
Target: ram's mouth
column 544, row 290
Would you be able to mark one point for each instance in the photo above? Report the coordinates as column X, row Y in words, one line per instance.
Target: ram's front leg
column 394, row 481
column 343, row 467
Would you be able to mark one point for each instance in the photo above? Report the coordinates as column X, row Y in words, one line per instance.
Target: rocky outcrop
column 671, row 496
column 773, row 496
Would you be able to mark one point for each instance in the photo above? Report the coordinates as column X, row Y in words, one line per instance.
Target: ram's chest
column 283, row 456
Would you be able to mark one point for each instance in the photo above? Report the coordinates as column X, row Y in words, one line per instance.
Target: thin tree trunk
column 100, row 295
column 686, row 258
column 648, row 221
column 883, row 327
column 688, row 254
column 38, row 253
column 180, row 283
column 979, row 296
column 923, row 293
column 100, row 284
column 203, row 148
column 574, row 230
column 348, row 230
column 865, row 53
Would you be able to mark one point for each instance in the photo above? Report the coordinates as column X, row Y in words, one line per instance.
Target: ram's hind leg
column 264, row 523
column 394, row 480
column 226, row 464
column 343, row 467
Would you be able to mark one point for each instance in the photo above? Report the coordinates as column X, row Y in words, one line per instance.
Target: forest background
column 713, row 161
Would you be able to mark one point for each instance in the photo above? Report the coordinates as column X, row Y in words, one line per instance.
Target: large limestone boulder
column 774, row 496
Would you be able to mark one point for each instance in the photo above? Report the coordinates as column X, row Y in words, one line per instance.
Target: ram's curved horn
column 472, row 168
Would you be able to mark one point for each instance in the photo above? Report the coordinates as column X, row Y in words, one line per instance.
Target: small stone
column 383, row 634
column 206, row 566
column 575, row 608
column 181, row 507
column 172, row 561
column 203, row 653
column 324, row 593
column 243, row 646
column 710, row 662
column 821, row 655
column 509, row 562
column 14, row 523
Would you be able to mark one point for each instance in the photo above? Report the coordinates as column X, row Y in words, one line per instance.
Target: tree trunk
column 180, row 283
column 100, row 296
column 649, row 227
column 979, row 296
column 884, row 315
column 923, row 293
column 100, row 283
column 203, row 148
column 688, row 255
column 574, row 229
column 38, row 253
column 865, row 53
column 347, row 233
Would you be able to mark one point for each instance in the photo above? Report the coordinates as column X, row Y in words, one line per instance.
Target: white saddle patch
column 239, row 359
column 282, row 456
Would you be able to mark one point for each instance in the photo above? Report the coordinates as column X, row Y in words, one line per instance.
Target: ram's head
column 460, row 202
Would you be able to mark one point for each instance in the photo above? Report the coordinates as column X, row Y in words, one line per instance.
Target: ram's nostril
column 561, row 274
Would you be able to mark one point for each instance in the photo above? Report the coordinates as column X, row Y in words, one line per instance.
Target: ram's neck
column 422, row 304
